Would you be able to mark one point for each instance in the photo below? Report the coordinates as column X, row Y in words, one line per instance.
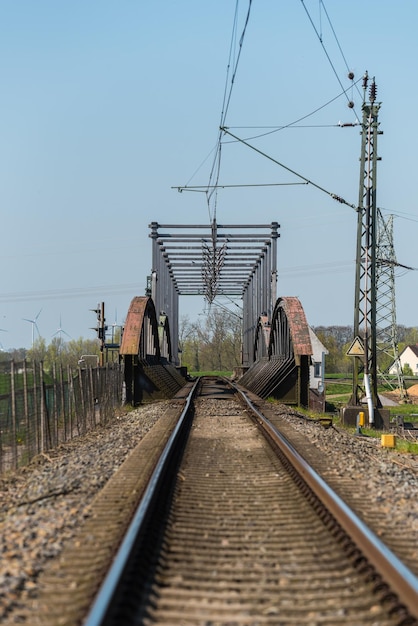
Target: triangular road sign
column 356, row 348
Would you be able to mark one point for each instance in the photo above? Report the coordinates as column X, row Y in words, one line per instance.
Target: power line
column 402, row 215
column 75, row 292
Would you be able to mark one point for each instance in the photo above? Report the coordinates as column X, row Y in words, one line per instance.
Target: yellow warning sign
column 356, row 348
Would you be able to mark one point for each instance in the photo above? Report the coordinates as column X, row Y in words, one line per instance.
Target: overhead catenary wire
column 215, row 170
column 321, row 3
column 320, row 38
column 213, row 185
column 204, row 188
column 307, row 180
column 293, row 124
column 272, row 130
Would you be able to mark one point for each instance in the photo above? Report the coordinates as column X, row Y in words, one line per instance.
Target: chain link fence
column 40, row 409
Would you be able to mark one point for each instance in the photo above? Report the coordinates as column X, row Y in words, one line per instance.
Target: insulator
column 350, row 104
column 372, row 92
column 351, row 75
column 365, row 80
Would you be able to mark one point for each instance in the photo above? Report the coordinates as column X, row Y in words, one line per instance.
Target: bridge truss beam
column 215, row 260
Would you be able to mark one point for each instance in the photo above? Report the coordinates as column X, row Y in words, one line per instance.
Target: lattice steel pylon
column 386, row 327
column 365, row 287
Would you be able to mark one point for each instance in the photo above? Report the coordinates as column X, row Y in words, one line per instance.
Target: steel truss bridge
column 237, row 261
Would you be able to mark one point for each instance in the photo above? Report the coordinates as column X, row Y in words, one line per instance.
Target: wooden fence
column 39, row 409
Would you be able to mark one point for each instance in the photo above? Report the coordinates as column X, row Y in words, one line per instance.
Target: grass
column 338, row 394
column 403, row 446
column 338, row 401
column 406, row 410
column 339, row 388
column 406, row 447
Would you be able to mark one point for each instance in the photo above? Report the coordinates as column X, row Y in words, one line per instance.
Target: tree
column 334, row 339
column 38, row 351
column 409, row 338
column 62, row 352
column 214, row 345
column 5, row 357
column 341, row 334
column 407, row 335
column 189, row 344
column 77, row 347
column 407, row 370
column 18, row 354
column 57, row 350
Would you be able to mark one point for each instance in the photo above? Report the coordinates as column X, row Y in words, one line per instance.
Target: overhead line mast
column 365, row 282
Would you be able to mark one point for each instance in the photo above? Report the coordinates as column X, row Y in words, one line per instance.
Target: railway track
column 244, row 534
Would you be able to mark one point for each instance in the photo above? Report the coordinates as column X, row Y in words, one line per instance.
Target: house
column 408, row 356
column 317, row 367
column 317, row 373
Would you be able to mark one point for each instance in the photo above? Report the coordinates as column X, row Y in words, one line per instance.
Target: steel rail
column 399, row 577
column 103, row 601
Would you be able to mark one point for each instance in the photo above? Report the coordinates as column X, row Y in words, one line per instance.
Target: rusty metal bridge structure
column 213, row 260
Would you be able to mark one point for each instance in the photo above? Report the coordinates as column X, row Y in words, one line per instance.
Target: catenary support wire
column 307, row 181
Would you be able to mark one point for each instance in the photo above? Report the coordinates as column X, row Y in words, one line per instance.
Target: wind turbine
column 114, row 325
column 117, row 329
column 34, row 325
column 60, row 331
column 3, row 330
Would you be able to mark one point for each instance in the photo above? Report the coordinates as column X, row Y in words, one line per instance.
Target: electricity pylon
column 386, row 327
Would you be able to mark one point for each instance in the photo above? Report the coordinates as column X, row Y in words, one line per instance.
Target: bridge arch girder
column 262, row 338
column 164, row 337
column 289, row 330
column 284, row 372
column 146, row 354
column 140, row 336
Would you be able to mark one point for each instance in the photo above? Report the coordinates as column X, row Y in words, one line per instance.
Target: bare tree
column 214, row 345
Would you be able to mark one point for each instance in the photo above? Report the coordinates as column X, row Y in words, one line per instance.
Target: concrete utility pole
column 365, row 284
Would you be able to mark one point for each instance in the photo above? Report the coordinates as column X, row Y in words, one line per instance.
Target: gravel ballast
column 43, row 504
column 380, row 484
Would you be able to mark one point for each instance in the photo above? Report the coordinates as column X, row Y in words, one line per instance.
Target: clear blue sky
column 106, row 105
